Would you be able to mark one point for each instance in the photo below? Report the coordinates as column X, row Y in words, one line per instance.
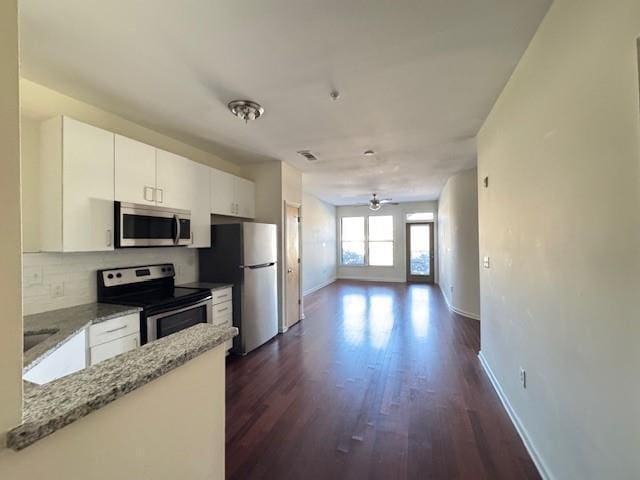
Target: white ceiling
column 416, row 78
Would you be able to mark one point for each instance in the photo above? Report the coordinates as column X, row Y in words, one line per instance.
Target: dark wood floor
column 379, row 381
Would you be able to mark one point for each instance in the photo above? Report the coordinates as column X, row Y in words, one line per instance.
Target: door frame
column 285, row 263
column 420, row 278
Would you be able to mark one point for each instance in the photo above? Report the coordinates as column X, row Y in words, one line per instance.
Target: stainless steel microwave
column 151, row 226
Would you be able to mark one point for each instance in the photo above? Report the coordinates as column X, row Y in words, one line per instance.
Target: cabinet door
column 87, row 185
column 222, row 197
column 70, row 357
column 135, row 172
column 201, row 206
column 174, row 176
column 114, row 347
column 244, row 194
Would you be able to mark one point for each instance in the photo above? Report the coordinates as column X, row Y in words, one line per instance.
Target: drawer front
column 221, row 296
column 113, row 329
column 115, row 347
column 222, row 311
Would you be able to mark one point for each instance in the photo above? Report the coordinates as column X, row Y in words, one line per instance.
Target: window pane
column 353, row 253
column 381, row 228
column 420, row 239
column 420, row 217
column 381, row 254
column 353, row 229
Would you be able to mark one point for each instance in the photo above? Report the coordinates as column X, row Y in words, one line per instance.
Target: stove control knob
column 118, row 275
column 110, row 276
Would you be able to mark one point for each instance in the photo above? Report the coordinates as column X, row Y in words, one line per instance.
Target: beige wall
column 319, row 243
column 275, row 182
column 458, row 243
column 560, row 221
column 171, row 428
column 398, row 272
column 10, row 240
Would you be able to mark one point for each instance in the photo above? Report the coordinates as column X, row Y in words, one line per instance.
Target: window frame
column 367, row 242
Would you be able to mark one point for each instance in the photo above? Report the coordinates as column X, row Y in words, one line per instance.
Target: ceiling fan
column 375, row 203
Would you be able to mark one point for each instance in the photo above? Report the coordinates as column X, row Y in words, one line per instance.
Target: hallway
column 379, row 381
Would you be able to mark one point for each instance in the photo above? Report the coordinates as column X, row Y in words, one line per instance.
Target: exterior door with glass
column 420, row 256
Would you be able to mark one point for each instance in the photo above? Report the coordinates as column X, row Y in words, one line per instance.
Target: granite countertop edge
column 63, row 324
column 52, row 406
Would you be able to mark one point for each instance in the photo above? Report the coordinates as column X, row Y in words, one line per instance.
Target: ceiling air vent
column 308, row 155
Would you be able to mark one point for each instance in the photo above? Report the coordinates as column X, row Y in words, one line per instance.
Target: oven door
column 172, row 321
column 148, row 226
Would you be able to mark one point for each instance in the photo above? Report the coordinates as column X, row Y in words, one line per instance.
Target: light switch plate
column 486, row 262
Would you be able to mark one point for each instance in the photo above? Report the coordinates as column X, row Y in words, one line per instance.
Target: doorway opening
column 419, row 253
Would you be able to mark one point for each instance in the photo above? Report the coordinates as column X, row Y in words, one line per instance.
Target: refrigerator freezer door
column 259, row 307
column 260, row 243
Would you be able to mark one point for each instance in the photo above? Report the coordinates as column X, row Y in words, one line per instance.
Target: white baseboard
column 474, row 316
column 373, row 279
column 515, row 420
column 318, row 287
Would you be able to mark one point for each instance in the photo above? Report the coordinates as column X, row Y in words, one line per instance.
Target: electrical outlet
column 57, row 290
column 523, row 377
column 33, row 277
column 486, row 182
column 486, row 262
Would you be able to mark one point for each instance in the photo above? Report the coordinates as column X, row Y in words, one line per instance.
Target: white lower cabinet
column 113, row 337
column 114, row 347
column 70, row 357
column 222, row 310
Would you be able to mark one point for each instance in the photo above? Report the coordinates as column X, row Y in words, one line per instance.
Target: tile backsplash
column 59, row 280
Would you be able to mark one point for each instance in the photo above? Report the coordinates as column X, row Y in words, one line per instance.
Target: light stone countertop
column 49, row 407
column 63, row 324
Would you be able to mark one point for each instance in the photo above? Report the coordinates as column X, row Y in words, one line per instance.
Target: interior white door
column 135, row 171
column 222, row 193
column 88, row 187
column 201, row 207
column 174, row 180
column 244, row 194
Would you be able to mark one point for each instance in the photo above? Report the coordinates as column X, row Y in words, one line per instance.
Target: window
column 373, row 246
column 353, row 240
column 420, row 217
column 381, row 241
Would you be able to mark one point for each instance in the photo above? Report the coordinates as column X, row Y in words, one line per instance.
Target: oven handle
column 177, row 220
column 180, row 310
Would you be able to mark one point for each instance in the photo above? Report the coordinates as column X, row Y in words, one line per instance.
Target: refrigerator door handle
column 262, row 265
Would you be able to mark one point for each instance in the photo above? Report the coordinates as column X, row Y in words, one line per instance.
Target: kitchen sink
column 33, row 339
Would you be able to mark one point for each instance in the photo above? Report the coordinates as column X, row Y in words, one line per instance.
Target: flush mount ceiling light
column 246, row 109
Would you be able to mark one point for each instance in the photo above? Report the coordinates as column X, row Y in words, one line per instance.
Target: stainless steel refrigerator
column 246, row 255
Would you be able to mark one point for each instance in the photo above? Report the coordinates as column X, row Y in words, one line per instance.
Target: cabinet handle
column 109, row 238
column 150, row 190
column 115, row 329
column 161, row 196
column 223, row 309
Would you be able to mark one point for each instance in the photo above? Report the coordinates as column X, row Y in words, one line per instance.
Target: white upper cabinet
column 174, row 180
column 245, row 197
column 231, row 195
column 200, row 207
column 135, row 171
column 222, row 200
column 76, row 186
